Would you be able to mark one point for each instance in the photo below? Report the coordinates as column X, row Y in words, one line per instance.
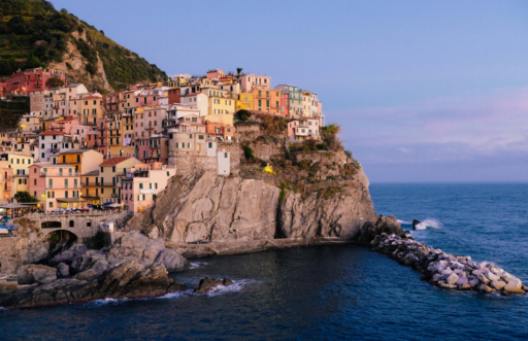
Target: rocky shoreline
column 438, row 267
column 136, row 266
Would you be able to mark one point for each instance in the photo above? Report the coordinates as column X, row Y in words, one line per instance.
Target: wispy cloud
column 465, row 129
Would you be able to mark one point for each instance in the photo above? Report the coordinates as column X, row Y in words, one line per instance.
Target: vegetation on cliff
column 11, row 109
column 306, row 167
column 34, row 34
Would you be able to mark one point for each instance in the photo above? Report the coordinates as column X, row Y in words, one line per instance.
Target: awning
column 71, row 200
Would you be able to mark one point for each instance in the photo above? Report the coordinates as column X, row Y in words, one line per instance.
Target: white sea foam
column 237, row 286
column 109, row 300
column 403, row 222
column 196, row 265
column 176, row 294
column 428, row 223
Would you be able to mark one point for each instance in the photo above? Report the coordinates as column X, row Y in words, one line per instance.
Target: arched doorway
column 60, row 240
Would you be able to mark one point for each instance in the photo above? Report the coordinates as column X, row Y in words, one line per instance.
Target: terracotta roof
column 51, row 133
column 114, row 161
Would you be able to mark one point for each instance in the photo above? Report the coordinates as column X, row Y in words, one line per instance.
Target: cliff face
column 318, row 195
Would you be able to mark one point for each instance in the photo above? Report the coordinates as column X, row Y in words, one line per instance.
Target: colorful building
column 110, row 173
column 55, row 186
column 139, row 187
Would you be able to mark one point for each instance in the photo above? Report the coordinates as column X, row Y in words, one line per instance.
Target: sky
column 424, row 91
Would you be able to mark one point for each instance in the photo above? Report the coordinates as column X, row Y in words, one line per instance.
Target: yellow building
column 245, row 101
column 110, row 173
column 90, row 187
column 90, row 108
column 83, row 161
column 220, row 108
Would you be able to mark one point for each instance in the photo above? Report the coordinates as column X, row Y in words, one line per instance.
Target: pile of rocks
column 133, row 266
column 446, row 270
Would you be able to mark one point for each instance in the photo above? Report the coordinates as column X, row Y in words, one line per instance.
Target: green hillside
column 33, row 34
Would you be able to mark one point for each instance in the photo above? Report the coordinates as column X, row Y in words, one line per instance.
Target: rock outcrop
column 207, row 284
column 204, row 208
column 438, row 267
column 134, row 266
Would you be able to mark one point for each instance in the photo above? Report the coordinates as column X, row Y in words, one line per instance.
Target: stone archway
column 60, row 240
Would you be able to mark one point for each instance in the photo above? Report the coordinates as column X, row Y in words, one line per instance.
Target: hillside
column 33, row 33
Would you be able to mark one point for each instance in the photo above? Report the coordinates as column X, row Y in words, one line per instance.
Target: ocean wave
column 196, row 265
column 236, row 286
column 428, row 223
column 176, row 294
column 403, row 222
column 108, row 301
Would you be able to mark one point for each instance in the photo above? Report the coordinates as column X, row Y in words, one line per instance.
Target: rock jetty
column 438, row 267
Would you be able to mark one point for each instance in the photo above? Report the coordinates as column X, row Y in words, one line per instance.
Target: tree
column 24, row 197
column 329, row 136
column 54, row 82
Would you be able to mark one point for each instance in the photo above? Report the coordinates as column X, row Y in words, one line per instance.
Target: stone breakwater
column 446, row 270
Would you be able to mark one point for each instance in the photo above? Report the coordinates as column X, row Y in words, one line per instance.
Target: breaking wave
column 236, row 286
column 176, row 294
column 429, row 223
column 108, row 301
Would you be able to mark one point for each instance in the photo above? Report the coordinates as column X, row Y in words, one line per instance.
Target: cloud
column 466, row 130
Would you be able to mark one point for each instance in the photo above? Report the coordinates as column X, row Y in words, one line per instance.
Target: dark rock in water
column 384, row 224
column 414, row 223
column 207, row 284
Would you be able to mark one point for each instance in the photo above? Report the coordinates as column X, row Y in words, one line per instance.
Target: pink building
column 154, row 148
column 139, row 187
column 55, row 186
column 148, row 121
column 27, row 81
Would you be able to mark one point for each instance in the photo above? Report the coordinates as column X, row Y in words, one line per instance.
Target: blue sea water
column 330, row 292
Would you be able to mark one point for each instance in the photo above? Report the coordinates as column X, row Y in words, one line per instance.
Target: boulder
column 135, row 245
column 70, row 254
column 498, row 284
column 207, row 284
column 414, row 223
column 485, row 288
column 452, row 279
column 36, row 273
column 63, row 270
column 172, row 260
column 514, row 286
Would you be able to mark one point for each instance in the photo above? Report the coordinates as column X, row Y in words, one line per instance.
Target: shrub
column 248, row 152
column 54, row 82
column 24, row 197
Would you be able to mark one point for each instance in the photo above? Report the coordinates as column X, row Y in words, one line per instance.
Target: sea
column 329, row 292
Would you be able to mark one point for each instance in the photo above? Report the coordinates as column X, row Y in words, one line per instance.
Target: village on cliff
column 76, row 150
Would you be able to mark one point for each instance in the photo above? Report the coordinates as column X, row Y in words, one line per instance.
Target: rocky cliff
column 310, row 194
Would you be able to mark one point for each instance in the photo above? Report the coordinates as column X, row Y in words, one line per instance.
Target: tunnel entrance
column 60, row 240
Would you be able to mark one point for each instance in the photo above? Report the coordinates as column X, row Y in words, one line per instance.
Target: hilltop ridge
column 34, row 34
